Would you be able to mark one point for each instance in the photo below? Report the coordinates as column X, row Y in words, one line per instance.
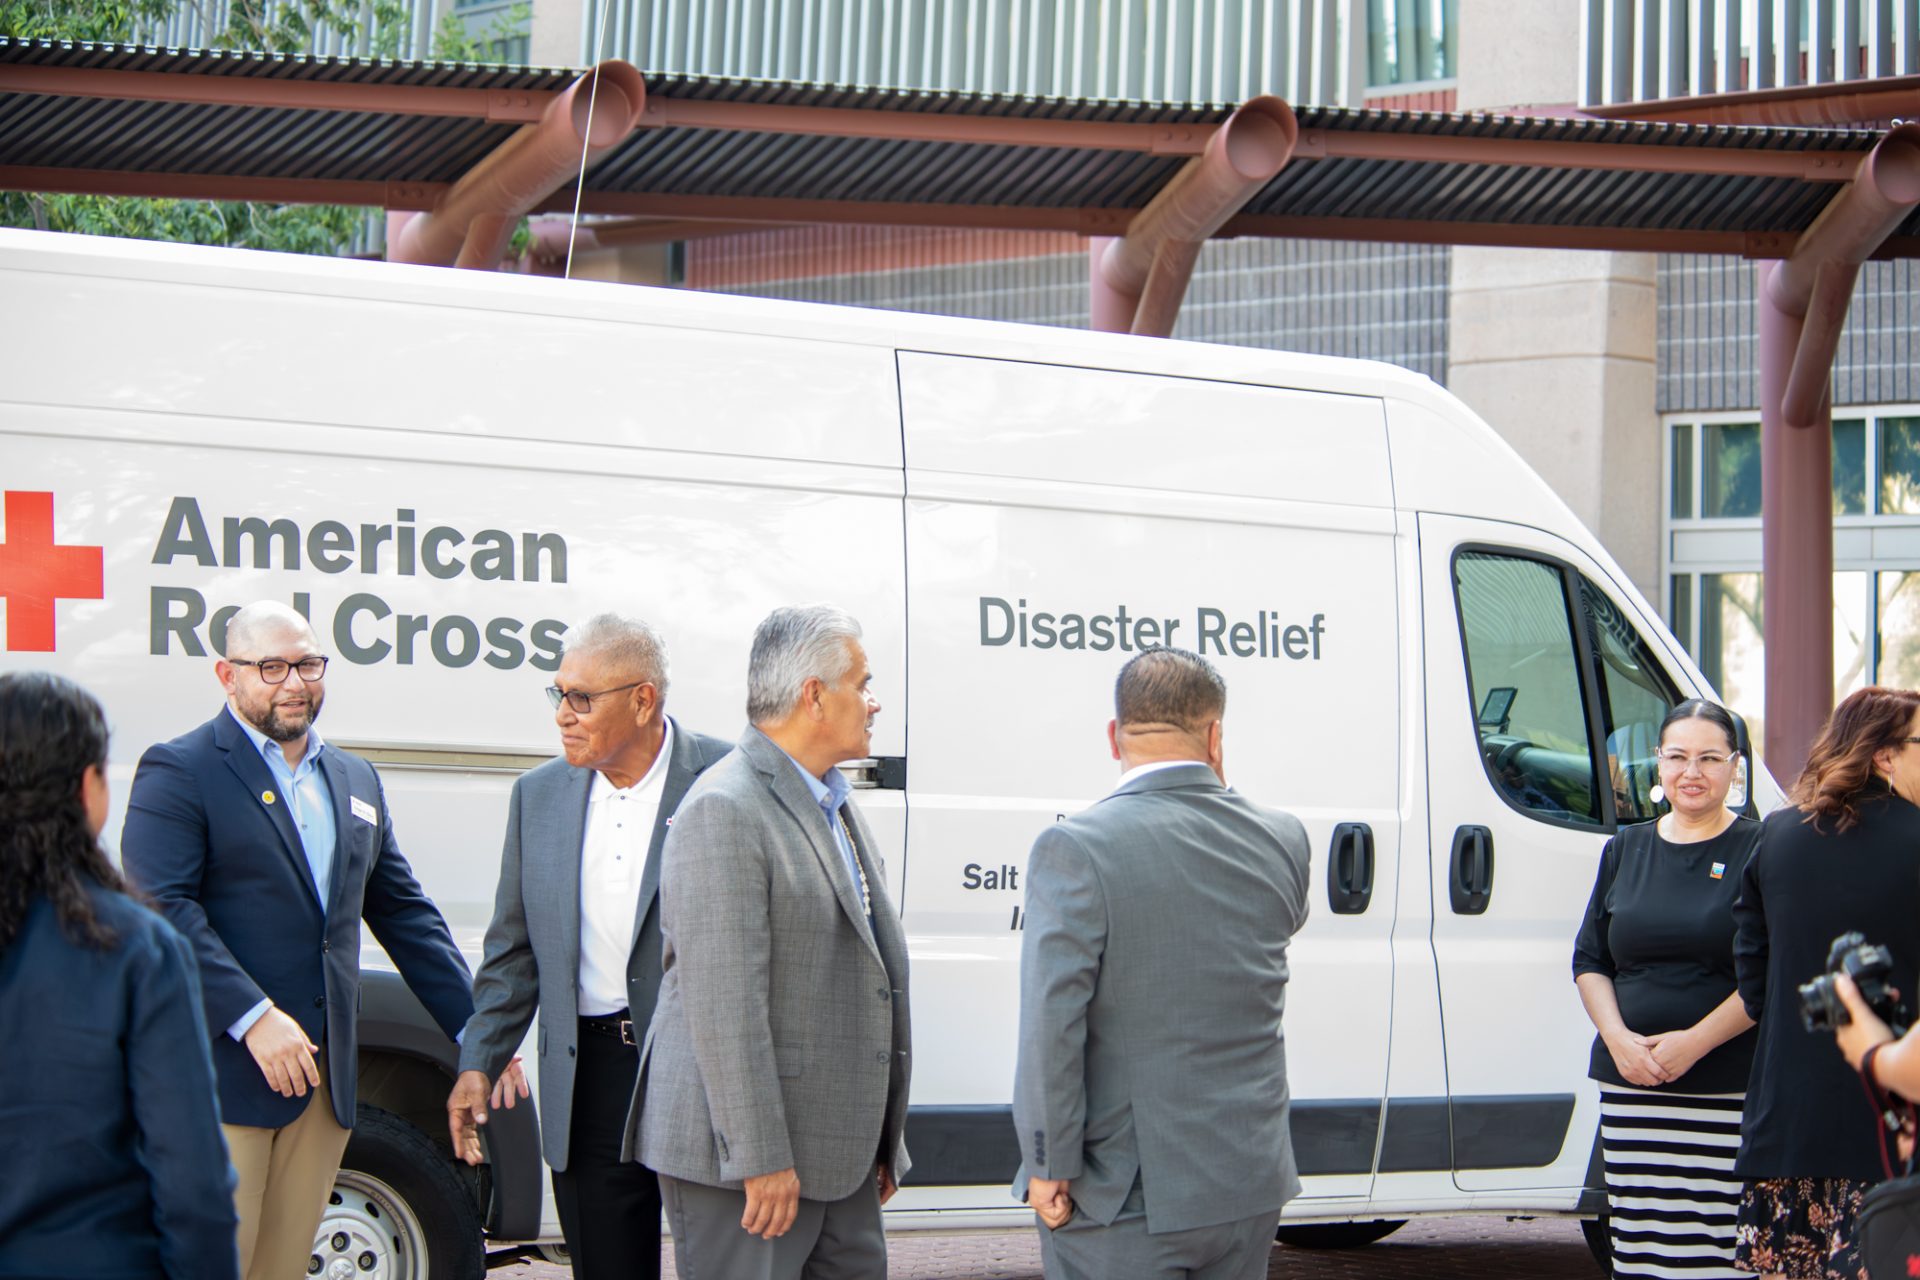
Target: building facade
column 1628, row 380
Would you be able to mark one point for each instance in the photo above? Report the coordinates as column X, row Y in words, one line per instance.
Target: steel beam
column 471, row 222
column 1815, row 282
column 1796, row 550
column 1147, row 269
column 1859, row 103
column 1803, row 304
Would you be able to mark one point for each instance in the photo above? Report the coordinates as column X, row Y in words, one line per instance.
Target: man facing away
column 776, row 1070
column 576, row 932
column 1150, row 1095
column 265, row 848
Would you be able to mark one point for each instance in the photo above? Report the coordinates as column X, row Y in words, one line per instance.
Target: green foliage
column 451, row 43
column 108, row 20
column 322, row 228
column 283, row 26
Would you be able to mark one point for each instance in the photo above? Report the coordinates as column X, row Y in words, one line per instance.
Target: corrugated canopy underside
column 1367, row 174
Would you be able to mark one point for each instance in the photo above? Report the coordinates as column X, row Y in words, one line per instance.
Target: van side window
column 1635, row 696
column 1524, row 671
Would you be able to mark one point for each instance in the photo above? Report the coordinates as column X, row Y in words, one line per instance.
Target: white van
column 1429, row 660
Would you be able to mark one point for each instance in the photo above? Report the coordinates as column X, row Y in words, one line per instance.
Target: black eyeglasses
column 582, row 703
column 274, row 670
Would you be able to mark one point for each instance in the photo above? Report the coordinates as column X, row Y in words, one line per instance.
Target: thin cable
column 586, row 139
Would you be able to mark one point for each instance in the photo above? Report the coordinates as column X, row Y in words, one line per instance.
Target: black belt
column 617, row 1025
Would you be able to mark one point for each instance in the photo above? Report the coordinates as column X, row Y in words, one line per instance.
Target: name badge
column 363, row 811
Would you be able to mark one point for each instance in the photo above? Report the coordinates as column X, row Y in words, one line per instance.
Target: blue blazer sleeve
column 414, row 934
column 164, row 850
column 170, row 1077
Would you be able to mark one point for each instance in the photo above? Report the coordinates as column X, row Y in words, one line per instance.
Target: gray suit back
column 532, row 955
column 781, row 1037
column 1152, row 981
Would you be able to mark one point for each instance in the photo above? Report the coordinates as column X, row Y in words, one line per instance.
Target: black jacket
column 1806, row 1114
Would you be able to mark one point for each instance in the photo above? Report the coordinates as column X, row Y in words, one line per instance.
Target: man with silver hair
column 776, row 1070
column 266, row 847
column 576, row 934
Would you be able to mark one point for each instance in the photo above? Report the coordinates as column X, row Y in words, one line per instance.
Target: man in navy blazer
column 266, row 847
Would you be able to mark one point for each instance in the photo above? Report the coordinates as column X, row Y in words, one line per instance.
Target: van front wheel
column 1336, row 1235
column 399, row 1209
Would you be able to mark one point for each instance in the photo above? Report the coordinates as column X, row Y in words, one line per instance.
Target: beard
column 280, row 729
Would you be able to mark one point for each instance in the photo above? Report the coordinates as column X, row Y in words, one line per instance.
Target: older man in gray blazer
column 1150, row 1095
column 776, row 1069
column 576, row 932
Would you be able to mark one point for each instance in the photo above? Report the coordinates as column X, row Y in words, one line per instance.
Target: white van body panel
column 963, row 487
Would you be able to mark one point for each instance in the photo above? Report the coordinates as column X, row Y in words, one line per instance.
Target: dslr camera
column 1869, row 966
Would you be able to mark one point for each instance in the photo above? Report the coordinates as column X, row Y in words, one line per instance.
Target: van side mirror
column 1740, row 793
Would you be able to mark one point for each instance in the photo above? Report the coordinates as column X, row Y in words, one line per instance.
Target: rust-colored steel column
column 1796, row 548
column 471, row 223
column 1108, row 309
column 1146, row 270
column 1803, row 304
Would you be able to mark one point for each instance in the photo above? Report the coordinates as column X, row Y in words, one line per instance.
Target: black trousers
column 609, row 1209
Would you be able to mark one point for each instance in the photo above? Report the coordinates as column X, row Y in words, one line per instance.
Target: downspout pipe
column 1142, row 276
column 1802, row 306
column 470, row 224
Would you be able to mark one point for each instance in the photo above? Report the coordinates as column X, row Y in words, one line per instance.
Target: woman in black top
column 1844, row 856
column 109, row 1131
column 1654, row 964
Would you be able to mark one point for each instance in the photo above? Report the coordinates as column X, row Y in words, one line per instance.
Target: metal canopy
column 110, row 119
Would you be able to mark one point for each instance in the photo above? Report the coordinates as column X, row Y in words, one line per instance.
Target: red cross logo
column 34, row 572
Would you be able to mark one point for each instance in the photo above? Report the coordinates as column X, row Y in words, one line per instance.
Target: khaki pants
column 285, row 1177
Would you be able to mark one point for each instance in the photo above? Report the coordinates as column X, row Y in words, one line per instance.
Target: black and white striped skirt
column 1671, row 1192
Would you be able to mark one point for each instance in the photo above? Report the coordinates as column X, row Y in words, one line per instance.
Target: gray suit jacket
column 781, row 1036
column 533, row 945
column 1153, row 973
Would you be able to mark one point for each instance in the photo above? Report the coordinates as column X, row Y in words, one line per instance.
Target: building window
column 1730, row 466
column 1409, row 41
column 1899, row 486
column 1714, row 593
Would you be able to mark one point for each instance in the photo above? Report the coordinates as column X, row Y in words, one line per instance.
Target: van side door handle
column 1350, row 869
column 1470, row 883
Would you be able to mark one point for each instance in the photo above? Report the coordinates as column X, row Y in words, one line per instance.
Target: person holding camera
column 1843, row 856
column 1895, row 1064
column 1654, row 965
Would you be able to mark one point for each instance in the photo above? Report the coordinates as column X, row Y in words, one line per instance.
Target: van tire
column 1599, row 1242
column 400, row 1202
column 1336, row 1235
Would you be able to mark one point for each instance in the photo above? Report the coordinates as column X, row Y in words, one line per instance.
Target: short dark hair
column 1175, row 687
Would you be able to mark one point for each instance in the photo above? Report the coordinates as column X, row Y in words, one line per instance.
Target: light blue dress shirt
column 309, row 800
column 830, row 795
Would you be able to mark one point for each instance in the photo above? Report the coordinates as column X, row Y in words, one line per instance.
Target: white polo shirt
column 613, row 858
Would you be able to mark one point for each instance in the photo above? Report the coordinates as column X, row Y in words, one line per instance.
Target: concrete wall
column 1557, row 349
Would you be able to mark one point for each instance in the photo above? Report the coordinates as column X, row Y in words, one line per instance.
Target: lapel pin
column 266, row 797
column 1719, row 870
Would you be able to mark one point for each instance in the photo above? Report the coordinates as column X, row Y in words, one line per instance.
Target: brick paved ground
column 1432, row 1249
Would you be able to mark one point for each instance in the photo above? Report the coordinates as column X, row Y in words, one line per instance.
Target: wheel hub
column 367, row 1233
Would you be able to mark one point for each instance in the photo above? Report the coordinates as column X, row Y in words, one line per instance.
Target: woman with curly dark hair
column 1843, row 857
column 109, row 1133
